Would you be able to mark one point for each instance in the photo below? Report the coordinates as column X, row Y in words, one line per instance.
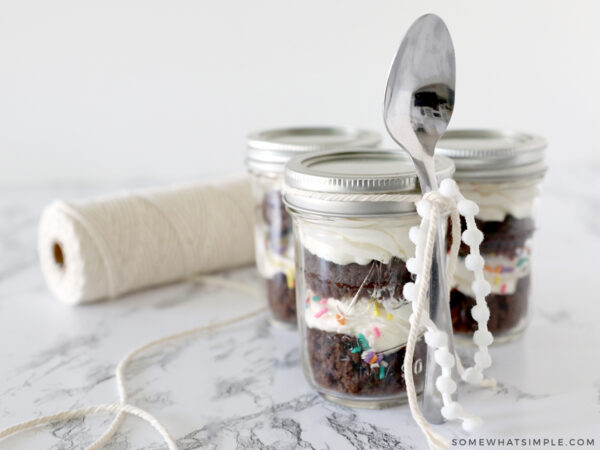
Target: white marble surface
column 243, row 388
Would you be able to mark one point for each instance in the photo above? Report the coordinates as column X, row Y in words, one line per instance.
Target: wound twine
column 114, row 245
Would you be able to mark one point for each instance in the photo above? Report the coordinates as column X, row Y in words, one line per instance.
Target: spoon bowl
column 419, row 96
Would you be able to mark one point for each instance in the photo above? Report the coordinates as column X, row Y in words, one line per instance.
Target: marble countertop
column 242, row 387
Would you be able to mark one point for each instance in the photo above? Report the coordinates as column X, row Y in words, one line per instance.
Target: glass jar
column 268, row 151
column 501, row 171
column 350, row 265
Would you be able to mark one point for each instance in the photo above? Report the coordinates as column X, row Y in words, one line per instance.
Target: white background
column 149, row 90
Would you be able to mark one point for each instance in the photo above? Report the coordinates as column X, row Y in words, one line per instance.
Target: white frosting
column 270, row 263
column 497, row 200
column 390, row 318
column 501, row 272
column 345, row 241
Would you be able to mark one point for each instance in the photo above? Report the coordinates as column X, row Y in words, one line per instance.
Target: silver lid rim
column 266, row 140
column 521, row 160
column 534, row 143
column 532, row 172
column 298, row 177
column 301, row 177
column 267, row 154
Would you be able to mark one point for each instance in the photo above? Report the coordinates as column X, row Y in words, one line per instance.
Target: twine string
column 121, row 408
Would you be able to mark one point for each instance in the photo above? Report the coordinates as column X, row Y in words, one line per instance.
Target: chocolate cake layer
column 506, row 311
column 328, row 279
column 335, row 367
column 500, row 238
column 282, row 299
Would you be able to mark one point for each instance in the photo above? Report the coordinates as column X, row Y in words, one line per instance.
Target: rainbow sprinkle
column 323, row 301
column 341, row 320
column 498, row 269
column 496, row 280
column 381, row 372
column 289, row 277
column 363, row 341
column 503, row 288
column 372, row 358
column 521, row 261
column 356, row 349
column 316, row 298
column 320, row 313
column 376, row 306
column 376, row 332
column 390, row 316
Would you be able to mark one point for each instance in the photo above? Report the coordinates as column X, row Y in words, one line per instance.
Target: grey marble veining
column 242, row 387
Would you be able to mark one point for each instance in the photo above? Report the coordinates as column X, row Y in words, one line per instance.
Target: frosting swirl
column 497, row 200
column 501, row 272
column 345, row 241
column 270, row 263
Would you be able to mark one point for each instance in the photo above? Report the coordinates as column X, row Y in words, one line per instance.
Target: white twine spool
column 115, row 245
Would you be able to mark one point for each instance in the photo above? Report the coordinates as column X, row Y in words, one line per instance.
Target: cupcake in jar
column 501, row 171
column 268, row 151
column 350, row 272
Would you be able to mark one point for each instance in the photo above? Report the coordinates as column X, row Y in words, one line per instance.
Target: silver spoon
column 419, row 99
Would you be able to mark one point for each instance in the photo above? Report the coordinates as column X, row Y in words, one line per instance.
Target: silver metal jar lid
column 269, row 150
column 494, row 155
column 368, row 171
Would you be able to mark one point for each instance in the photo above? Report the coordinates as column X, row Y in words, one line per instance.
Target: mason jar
column 351, row 269
column 268, row 151
column 501, row 171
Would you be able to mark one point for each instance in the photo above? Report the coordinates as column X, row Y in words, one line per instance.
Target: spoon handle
column 439, row 311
